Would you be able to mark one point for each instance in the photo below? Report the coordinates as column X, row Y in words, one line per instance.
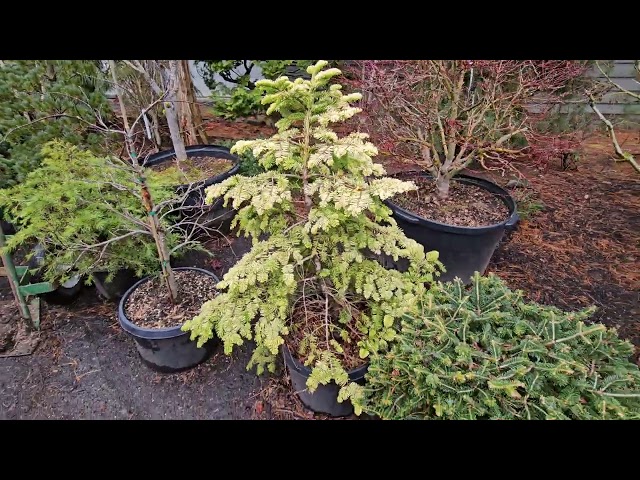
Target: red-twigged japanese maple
column 443, row 114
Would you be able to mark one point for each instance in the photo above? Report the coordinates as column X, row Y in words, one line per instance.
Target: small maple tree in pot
column 444, row 114
column 319, row 204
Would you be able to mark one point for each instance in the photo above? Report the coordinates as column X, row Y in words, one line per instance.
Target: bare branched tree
column 620, row 154
column 138, row 95
column 444, row 114
column 190, row 225
column 142, row 80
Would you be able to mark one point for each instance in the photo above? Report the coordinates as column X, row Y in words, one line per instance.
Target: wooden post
column 189, row 114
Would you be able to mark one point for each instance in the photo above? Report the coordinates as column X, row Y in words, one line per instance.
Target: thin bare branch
column 621, row 154
column 614, row 84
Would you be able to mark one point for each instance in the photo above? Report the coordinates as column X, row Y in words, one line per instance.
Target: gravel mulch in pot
column 149, row 306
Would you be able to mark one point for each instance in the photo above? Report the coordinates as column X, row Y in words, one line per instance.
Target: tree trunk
column 171, row 76
column 152, row 218
column 183, row 107
column 155, row 126
column 161, row 242
column 188, row 110
column 442, row 186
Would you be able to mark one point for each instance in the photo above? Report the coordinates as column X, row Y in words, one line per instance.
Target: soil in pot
column 309, row 321
column 466, row 206
column 195, row 169
column 149, row 306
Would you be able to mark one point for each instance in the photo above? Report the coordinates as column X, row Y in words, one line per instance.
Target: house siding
column 618, row 103
column 615, row 103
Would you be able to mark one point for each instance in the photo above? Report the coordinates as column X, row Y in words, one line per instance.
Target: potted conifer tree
column 308, row 287
column 153, row 310
column 86, row 216
column 38, row 105
column 42, row 100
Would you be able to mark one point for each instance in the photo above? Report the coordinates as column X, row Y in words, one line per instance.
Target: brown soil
column 583, row 248
column 195, row 169
column 466, row 206
column 311, row 310
column 150, row 307
column 237, row 130
column 9, row 319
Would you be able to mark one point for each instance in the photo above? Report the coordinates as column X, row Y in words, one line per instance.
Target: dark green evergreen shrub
column 485, row 353
column 41, row 100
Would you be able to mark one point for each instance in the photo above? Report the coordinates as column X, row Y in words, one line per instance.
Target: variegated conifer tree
column 317, row 220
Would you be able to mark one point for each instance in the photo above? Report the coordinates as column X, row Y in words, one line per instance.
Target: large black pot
column 115, row 288
column 219, row 216
column 165, row 349
column 463, row 250
column 7, row 227
column 325, row 398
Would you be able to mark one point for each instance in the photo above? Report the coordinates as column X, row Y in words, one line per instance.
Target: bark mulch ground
column 582, row 246
column 87, row 367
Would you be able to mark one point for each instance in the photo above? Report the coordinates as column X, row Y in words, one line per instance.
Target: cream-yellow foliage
column 335, row 243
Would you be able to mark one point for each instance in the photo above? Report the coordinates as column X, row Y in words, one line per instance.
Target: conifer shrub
column 85, row 212
column 41, row 100
column 484, row 352
column 249, row 166
column 315, row 216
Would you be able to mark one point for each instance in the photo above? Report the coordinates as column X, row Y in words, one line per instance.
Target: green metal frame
column 25, row 294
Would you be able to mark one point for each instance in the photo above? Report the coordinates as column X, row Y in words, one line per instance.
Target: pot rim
column 483, row 183
column 164, row 155
column 152, row 333
column 355, row 374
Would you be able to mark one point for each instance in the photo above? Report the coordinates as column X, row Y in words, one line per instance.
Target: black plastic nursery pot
column 115, row 288
column 7, row 227
column 65, row 293
column 165, row 349
column 221, row 216
column 463, row 250
column 325, row 398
